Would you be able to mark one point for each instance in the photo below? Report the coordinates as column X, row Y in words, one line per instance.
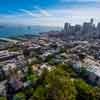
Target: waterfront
column 8, row 31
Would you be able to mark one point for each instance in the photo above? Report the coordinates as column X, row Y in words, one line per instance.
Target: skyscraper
column 89, row 28
column 91, row 21
column 98, row 29
column 67, row 27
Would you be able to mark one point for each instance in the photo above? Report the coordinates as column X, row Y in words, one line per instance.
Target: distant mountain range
column 10, row 30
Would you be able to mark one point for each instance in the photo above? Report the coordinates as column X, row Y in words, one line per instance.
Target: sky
column 48, row 12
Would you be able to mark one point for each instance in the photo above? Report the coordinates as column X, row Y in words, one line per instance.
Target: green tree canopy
column 3, row 98
column 20, row 96
column 56, row 86
column 85, row 91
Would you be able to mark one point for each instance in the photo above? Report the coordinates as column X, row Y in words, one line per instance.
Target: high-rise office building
column 98, row 29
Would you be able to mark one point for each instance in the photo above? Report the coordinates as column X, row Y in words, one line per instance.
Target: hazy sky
column 48, row 12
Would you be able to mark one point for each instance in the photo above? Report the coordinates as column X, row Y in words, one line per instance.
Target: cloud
column 83, row 1
column 77, row 15
column 59, row 16
column 88, row 0
column 43, row 12
column 30, row 13
column 77, row 12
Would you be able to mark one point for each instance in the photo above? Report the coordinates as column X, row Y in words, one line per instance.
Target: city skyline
column 49, row 12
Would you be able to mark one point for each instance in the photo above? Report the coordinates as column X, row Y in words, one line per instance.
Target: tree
column 3, row 98
column 32, row 77
column 84, row 73
column 97, row 93
column 40, row 93
column 28, row 92
column 48, row 58
column 59, row 86
column 62, row 50
column 20, row 96
column 68, row 69
column 55, row 85
column 85, row 91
